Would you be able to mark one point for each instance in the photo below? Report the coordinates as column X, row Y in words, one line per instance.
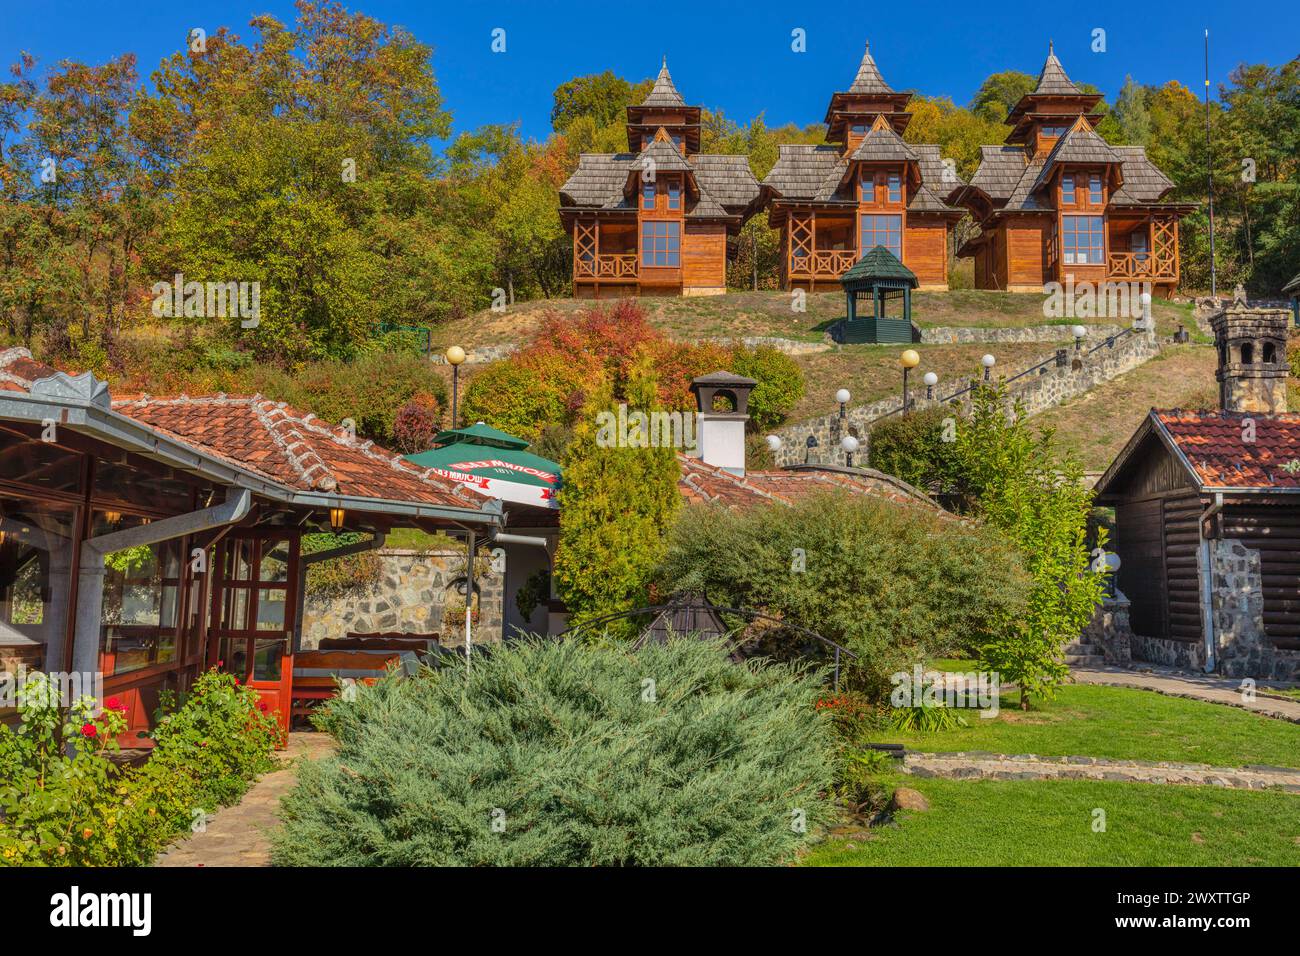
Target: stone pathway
column 1206, row 687
column 239, row 835
column 981, row 765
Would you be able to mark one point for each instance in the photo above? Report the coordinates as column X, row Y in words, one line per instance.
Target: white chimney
column 723, row 402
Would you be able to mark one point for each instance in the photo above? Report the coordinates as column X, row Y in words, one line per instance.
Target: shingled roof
column 878, row 263
column 882, row 144
column 1143, row 182
column 1052, row 81
column 868, row 79
column 599, row 181
column 663, row 93
column 1292, row 287
column 728, row 179
column 1081, row 146
column 664, row 155
column 816, row 173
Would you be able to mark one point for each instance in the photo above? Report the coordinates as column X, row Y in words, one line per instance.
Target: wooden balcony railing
column 608, row 266
column 823, row 263
column 1141, row 265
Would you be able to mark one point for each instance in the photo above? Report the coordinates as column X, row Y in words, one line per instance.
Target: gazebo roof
column 879, row 267
column 1292, row 287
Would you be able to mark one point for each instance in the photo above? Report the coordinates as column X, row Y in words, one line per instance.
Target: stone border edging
column 983, row 765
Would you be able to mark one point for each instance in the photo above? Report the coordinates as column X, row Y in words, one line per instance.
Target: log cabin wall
column 1273, row 531
column 1157, row 536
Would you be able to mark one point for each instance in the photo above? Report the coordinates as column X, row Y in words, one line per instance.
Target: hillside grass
column 1050, row 823
column 741, row 314
column 1096, row 425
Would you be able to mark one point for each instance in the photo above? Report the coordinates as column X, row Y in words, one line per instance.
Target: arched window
column 1269, row 354
column 1247, row 353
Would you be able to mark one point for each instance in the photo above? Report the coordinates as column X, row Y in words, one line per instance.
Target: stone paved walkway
column 239, row 835
column 1207, row 687
column 980, row 765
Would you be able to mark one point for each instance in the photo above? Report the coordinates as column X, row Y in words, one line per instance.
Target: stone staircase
column 1083, row 651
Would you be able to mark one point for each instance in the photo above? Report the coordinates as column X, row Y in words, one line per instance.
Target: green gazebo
column 1292, row 289
column 877, row 279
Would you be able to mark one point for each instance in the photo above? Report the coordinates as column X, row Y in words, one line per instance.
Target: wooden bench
column 316, row 673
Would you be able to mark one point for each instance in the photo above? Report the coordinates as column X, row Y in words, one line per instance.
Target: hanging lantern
column 336, row 519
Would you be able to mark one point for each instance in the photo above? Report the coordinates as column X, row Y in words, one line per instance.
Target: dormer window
column 859, row 129
column 1094, row 188
column 1052, row 132
column 674, row 196
column 895, row 188
column 868, row 187
column 1067, row 190
column 647, row 195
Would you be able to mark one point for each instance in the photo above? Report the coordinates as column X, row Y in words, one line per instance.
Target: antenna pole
column 1209, row 167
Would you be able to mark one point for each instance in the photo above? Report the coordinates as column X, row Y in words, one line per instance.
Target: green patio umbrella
column 494, row 464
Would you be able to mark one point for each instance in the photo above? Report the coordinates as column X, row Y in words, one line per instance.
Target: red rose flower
column 114, row 704
column 88, row 731
column 261, row 705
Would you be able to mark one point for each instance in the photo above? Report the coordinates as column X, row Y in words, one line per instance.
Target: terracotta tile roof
column 291, row 447
column 18, row 370
column 705, row 483
column 270, row 438
column 1213, row 444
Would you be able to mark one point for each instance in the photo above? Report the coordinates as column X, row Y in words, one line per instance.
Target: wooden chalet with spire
column 1056, row 200
column 868, row 188
column 662, row 218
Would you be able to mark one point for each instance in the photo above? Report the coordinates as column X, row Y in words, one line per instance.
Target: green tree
column 617, row 504
column 602, row 97
column 1019, row 484
column 1131, row 113
column 1000, row 92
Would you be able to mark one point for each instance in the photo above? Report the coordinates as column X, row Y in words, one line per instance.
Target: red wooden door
column 253, row 606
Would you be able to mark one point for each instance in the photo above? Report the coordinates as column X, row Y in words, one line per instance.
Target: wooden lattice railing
column 609, row 266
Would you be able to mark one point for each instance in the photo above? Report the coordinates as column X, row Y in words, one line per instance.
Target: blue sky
column 723, row 55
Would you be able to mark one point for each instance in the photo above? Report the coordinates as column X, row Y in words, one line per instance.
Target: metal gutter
column 1206, row 583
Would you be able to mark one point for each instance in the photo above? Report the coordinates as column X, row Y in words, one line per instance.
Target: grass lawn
column 1095, row 426
column 1049, row 823
column 1123, row 723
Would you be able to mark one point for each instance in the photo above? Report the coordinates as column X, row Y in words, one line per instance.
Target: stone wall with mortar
column 410, row 595
column 1066, row 375
column 1109, row 629
column 1244, row 648
column 1030, row 334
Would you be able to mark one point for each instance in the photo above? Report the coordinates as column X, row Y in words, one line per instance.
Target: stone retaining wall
column 1058, row 381
column 411, row 593
column 960, row 335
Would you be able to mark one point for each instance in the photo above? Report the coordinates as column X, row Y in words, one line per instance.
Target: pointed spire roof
column 664, row 93
column 1052, row 81
column 869, row 79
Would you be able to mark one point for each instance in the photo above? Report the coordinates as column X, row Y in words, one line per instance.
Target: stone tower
column 1252, row 358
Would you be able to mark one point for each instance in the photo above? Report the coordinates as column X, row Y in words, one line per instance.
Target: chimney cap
column 722, row 379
